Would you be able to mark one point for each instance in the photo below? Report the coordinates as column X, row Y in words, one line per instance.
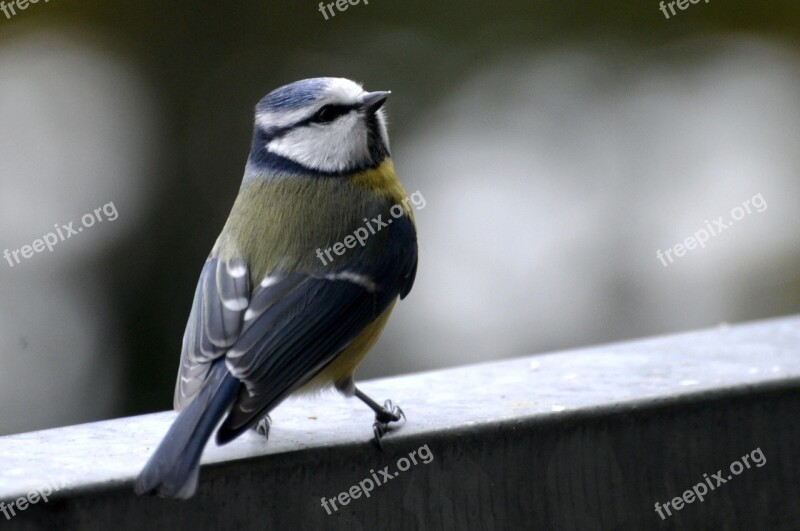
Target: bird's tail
column 173, row 469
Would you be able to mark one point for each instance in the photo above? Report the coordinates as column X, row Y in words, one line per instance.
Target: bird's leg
column 263, row 427
column 383, row 415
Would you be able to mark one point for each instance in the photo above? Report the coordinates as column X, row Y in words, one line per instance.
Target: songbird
column 269, row 318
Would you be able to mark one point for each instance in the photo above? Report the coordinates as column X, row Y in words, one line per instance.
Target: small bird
column 270, row 318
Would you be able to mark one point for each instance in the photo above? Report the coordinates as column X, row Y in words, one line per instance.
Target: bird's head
column 328, row 126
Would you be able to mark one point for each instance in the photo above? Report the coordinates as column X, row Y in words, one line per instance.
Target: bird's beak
column 372, row 101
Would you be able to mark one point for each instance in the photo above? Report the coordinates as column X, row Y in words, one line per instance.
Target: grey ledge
column 582, row 439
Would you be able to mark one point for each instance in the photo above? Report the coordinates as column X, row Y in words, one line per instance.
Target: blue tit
column 270, row 318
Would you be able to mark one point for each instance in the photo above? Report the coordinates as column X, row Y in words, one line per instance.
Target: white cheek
column 331, row 147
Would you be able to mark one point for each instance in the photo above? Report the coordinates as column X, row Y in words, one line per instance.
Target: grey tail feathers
column 172, row 470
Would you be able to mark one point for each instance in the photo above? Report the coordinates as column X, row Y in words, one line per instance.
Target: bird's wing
column 215, row 322
column 278, row 335
column 296, row 324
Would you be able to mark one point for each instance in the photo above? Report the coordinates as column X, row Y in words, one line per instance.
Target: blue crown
column 294, row 95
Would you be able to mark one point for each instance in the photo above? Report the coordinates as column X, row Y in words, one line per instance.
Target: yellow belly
column 345, row 364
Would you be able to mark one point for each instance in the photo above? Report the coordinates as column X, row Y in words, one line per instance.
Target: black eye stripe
column 325, row 115
column 329, row 113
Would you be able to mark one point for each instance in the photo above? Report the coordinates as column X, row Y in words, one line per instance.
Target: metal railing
column 619, row 436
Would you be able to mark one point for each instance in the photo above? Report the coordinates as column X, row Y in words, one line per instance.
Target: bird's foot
column 383, row 417
column 263, row 427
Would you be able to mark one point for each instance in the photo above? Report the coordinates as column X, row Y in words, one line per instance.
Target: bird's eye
column 329, row 113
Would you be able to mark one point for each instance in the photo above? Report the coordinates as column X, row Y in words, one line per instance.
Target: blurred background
column 558, row 146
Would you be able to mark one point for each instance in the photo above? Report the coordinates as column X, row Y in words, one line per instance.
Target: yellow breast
column 383, row 180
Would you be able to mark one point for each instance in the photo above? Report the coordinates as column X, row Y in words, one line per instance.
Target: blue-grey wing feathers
column 215, row 322
column 245, row 350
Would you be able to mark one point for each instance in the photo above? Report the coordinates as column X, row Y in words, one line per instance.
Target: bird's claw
column 389, row 413
column 263, row 427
